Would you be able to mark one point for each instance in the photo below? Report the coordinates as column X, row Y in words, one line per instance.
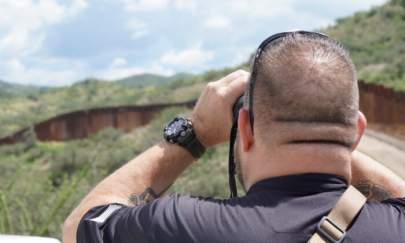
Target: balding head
column 306, row 90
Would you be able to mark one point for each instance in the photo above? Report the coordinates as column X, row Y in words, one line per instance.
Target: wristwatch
column 180, row 131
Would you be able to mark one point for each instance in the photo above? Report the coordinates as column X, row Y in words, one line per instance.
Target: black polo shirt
column 282, row 209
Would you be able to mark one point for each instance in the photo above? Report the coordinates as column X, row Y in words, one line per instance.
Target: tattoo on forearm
column 149, row 195
column 372, row 191
column 146, row 197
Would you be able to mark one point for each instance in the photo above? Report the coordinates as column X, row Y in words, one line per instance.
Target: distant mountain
column 9, row 90
column 151, row 79
column 4, row 85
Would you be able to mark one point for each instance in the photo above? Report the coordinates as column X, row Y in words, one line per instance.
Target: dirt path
column 389, row 151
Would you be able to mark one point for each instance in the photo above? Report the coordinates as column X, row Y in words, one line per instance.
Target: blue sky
column 55, row 42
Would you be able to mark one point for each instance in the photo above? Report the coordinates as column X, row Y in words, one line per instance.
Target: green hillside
column 376, row 40
column 8, row 90
column 57, row 175
column 19, row 111
column 141, row 80
column 42, row 182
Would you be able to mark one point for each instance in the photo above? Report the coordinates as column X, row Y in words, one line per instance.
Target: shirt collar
column 309, row 183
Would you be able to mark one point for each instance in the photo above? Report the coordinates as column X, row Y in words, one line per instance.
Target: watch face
column 176, row 130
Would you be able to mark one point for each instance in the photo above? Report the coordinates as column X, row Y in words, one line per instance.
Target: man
column 297, row 132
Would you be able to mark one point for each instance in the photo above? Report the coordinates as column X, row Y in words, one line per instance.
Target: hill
column 376, row 41
column 8, row 90
column 19, row 111
column 148, row 79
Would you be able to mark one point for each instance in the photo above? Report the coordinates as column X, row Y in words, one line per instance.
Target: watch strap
column 195, row 147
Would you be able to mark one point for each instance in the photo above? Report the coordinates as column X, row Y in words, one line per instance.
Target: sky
column 56, row 43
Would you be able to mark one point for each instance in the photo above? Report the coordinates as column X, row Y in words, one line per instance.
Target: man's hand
column 212, row 116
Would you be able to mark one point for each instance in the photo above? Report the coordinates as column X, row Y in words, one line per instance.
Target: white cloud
column 22, row 27
column 157, row 5
column 145, row 5
column 76, row 7
column 217, row 22
column 119, row 62
column 14, row 65
column 188, row 58
column 51, row 72
column 138, row 28
column 258, row 8
column 185, row 4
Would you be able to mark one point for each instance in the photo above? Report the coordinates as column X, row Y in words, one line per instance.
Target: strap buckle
column 330, row 231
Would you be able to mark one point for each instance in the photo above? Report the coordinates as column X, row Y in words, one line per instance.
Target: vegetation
column 20, row 111
column 57, row 175
column 151, row 79
column 42, row 182
column 8, row 90
column 376, row 40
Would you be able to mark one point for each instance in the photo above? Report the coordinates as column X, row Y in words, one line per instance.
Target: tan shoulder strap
column 332, row 228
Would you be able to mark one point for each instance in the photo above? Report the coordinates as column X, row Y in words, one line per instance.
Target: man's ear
column 361, row 128
column 245, row 131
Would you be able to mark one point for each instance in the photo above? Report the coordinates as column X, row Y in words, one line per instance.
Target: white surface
column 389, row 155
column 25, row 239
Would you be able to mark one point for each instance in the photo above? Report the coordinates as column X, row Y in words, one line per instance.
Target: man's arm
column 374, row 180
column 158, row 167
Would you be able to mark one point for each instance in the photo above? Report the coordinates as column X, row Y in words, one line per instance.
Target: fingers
column 212, row 115
column 232, row 76
column 238, row 86
column 231, row 86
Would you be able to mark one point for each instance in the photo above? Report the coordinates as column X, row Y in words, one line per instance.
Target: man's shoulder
column 179, row 198
column 391, row 207
column 380, row 222
column 187, row 204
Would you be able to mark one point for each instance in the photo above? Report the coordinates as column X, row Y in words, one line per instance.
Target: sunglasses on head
column 249, row 94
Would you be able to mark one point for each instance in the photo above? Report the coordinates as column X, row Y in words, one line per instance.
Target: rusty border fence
column 83, row 123
column 380, row 105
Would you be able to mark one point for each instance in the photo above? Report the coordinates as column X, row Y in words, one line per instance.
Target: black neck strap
column 232, row 164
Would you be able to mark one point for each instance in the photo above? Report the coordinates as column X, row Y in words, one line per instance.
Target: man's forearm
column 375, row 180
column 157, row 168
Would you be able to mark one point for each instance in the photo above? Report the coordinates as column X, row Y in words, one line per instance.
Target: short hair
column 306, row 79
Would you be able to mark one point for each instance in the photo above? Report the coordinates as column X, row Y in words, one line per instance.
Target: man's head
column 305, row 98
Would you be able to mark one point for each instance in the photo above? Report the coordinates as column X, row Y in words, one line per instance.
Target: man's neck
column 299, row 159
